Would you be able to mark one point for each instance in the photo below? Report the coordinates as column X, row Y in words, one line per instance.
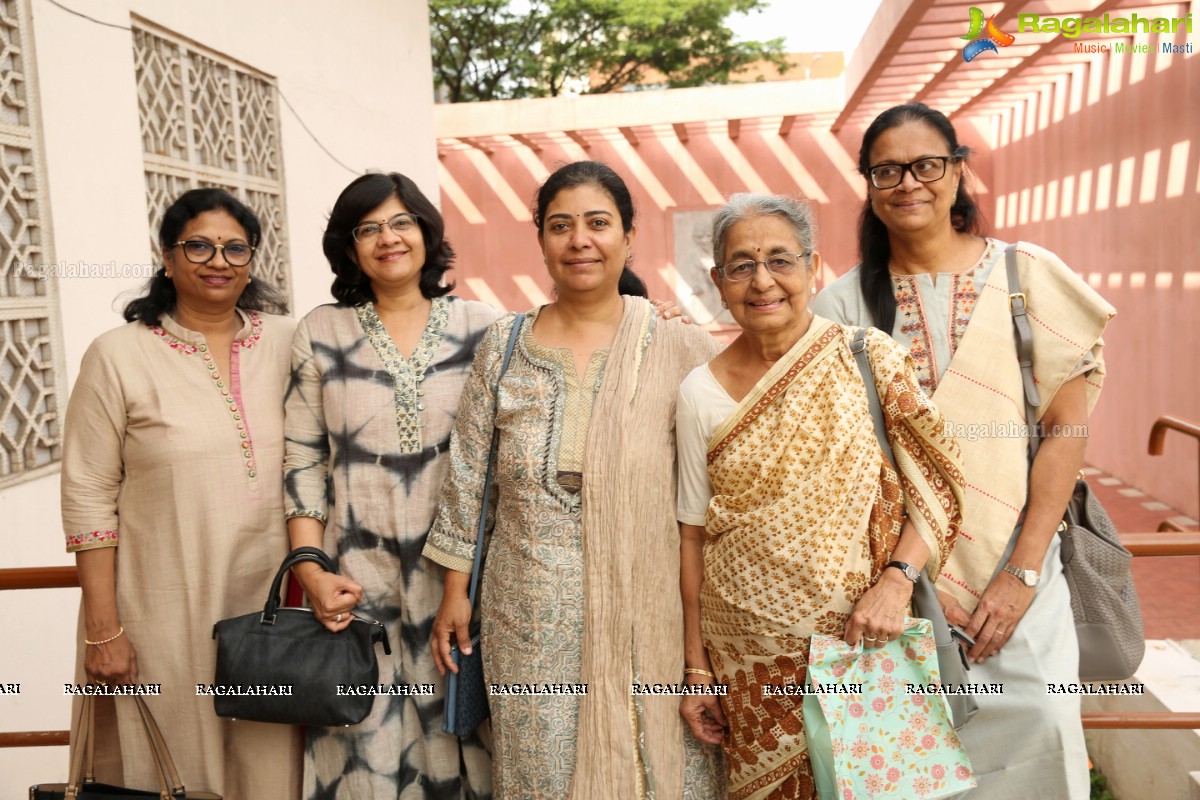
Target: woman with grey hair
column 789, row 514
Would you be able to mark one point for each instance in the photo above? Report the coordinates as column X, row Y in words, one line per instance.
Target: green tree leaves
column 494, row 49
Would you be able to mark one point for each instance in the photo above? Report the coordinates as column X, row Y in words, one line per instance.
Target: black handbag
column 466, row 700
column 282, row 665
column 950, row 639
column 82, row 783
column 1098, row 568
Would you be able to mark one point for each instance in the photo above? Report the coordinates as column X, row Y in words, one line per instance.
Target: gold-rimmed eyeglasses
column 777, row 264
column 400, row 224
column 199, row 251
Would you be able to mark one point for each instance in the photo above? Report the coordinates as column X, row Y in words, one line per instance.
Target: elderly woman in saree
column 584, row 540
column 792, row 521
column 940, row 288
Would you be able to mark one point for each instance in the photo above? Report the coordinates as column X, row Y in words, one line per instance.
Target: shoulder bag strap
column 481, row 530
column 1024, row 336
column 858, row 346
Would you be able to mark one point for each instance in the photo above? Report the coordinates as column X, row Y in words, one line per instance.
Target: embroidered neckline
column 230, row 394
column 188, row 349
column 407, row 374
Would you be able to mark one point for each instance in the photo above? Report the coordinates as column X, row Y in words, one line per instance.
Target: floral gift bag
column 871, row 735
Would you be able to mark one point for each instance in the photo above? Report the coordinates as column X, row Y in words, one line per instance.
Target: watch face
column 1030, row 577
column 910, row 572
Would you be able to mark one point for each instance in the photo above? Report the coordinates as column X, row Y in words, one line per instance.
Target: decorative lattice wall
column 30, row 334
column 209, row 121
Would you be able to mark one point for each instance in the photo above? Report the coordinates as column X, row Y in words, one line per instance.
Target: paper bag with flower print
column 871, row 731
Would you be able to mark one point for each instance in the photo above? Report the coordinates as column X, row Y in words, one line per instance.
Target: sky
column 808, row 25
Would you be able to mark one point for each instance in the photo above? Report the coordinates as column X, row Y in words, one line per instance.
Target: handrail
column 1147, row 720
column 35, row 739
column 39, row 578
column 1186, row 543
column 1139, row 544
column 1158, row 432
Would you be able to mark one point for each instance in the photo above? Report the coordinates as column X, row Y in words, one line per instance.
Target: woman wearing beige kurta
column 585, row 550
column 173, row 502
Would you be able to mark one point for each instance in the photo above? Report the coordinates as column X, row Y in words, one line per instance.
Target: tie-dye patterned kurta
column 368, row 433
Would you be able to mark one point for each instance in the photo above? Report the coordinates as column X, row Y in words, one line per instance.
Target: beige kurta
column 180, row 469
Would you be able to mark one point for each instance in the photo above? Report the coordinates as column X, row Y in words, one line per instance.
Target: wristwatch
column 910, row 572
column 1025, row 576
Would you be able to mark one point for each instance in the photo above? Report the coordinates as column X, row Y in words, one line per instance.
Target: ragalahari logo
column 984, row 36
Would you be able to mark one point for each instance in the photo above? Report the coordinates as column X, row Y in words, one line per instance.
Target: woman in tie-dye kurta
column 375, row 383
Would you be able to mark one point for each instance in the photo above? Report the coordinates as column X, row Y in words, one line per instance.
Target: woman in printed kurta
column 375, row 383
column 584, row 550
column 172, row 500
column 941, row 290
column 793, row 521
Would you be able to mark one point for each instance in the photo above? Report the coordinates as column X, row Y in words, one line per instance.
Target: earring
column 954, row 199
column 812, row 290
column 249, row 279
column 724, row 304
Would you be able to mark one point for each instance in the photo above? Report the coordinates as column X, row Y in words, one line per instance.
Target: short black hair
column 365, row 193
column 159, row 296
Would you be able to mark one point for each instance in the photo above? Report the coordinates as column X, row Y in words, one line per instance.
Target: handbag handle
column 924, row 594
column 481, row 529
column 297, row 556
column 168, row 776
column 1024, row 337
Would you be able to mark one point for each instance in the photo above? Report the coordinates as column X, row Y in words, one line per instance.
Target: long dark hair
column 593, row 173
column 365, row 193
column 874, row 249
column 159, row 296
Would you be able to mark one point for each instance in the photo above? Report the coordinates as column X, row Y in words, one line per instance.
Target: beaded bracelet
column 120, row 633
column 694, row 671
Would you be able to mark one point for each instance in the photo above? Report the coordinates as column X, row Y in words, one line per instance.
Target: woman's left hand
column 667, row 309
column 1000, row 610
column 878, row 616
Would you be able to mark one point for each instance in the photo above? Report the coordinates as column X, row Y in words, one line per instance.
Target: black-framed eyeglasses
column 923, row 170
column 400, row 224
column 776, row 264
column 199, row 251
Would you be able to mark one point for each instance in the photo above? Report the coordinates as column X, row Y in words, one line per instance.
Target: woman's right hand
column 452, row 625
column 113, row 662
column 704, row 716
column 332, row 597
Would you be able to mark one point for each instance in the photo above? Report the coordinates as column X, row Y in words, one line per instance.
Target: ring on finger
column 870, row 639
column 339, row 618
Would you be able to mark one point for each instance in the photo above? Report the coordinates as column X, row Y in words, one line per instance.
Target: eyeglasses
column 400, row 224
column 199, row 251
column 778, row 264
column 923, row 170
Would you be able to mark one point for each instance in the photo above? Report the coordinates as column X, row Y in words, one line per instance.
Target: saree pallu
column 805, row 514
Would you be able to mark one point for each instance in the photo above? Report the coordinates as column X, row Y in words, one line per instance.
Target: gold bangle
column 694, row 671
column 120, row 633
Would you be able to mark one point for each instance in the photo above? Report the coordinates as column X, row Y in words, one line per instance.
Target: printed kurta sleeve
column 452, row 539
column 691, row 446
column 92, row 466
column 927, row 456
column 306, row 437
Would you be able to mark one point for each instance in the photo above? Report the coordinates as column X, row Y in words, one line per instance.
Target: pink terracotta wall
column 486, row 198
column 1102, row 168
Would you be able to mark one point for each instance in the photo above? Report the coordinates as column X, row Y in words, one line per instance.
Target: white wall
column 361, row 80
